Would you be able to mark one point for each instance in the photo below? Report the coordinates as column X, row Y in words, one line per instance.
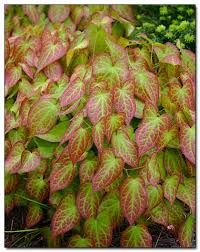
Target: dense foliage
column 174, row 23
column 99, row 128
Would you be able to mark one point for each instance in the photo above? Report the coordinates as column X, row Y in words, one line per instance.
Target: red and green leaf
column 154, row 196
column 185, row 232
column 153, row 171
column 160, row 214
column 112, row 123
column 31, row 11
column 87, row 169
column 34, row 215
column 58, row 13
column 98, row 132
column 76, row 241
column 54, row 71
column 29, row 161
column 170, row 187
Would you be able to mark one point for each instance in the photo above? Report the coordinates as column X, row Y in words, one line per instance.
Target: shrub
column 99, row 128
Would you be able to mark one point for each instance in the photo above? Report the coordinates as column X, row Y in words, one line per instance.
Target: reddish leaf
column 58, row 13
column 185, row 232
column 170, row 187
column 66, row 216
column 153, row 171
column 99, row 105
column 31, row 11
column 112, row 123
column 124, row 100
column 11, row 182
column 125, row 148
column 12, row 76
column 98, row 132
column 87, row 169
column 34, row 215
column 88, row 201
column 136, row 236
column 109, row 169
column 54, row 71
column 133, row 197
column 29, row 161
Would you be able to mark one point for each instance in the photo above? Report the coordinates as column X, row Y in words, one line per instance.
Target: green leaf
column 76, row 241
column 185, row 233
column 112, row 123
column 99, row 230
column 11, row 182
column 29, row 161
column 87, row 169
column 160, row 214
column 153, row 171
column 170, row 187
column 45, row 148
column 34, row 215
column 133, row 197
column 154, row 196
column 136, row 236
column 66, row 216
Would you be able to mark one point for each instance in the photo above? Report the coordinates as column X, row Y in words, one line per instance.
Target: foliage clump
column 99, row 128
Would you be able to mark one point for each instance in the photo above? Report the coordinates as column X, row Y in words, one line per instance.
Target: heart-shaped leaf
column 29, row 161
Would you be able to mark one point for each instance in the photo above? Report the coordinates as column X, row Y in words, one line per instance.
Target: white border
column 197, row 3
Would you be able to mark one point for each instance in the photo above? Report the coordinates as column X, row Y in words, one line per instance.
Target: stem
column 23, row 230
column 34, row 201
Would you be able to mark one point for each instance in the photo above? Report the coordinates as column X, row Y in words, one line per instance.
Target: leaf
column 58, row 13
column 159, row 214
column 76, row 122
column 136, row 236
column 88, row 201
column 99, row 105
column 125, row 148
column 112, row 123
column 29, row 161
column 146, row 86
column 173, row 161
column 186, row 193
column 11, row 181
column 12, row 76
column 34, row 215
column 170, row 187
column 54, row 71
column 133, row 198
column 66, row 216
column 73, row 92
column 115, row 71
column 109, row 169
column 61, row 175
column 87, row 169
column 169, row 138
column 124, row 101
column 13, row 160
column 42, row 116
column 45, row 148
column 148, row 132
column 187, row 141
column 51, row 52
column 78, row 144
column 56, row 133
column 153, row 172
column 31, row 11
column 154, row 196
column 185, row 233
column 76, row 241
column 188, row 62
column 98, row 132
column 37, row 188
column 110, row 205
column 9, row 203
column 99, row 230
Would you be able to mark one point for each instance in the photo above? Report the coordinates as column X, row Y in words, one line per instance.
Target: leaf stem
column 31, row 200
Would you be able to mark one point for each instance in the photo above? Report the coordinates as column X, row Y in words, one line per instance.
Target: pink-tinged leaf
column 109, row 169
column 124, row 100
column 54, row 71
column 42, row 116
column 62, row 175
column 182, row 96
column 29, row 161
column 76, row 241
column 146, row 86
column 51, row 52
column 99, row 230
column 24, row 111
column 169, row 138
column 7, row 147
column 187, row 141
column 170, row 187
column 148, row 132
column 136, row 236
column 11, row 121
column 66, row 216
column 13, row 160
column 133, row 197
column 139, row 108
column 186, row 193
column 31, row 11
column 115, row 71
column 154, row 196
column 79, row 143
column 124, row 147
column 6, row 49
column 34, row 215
column 41, row 169
column 69, row 109
column 10, row 182
column 190, row 169
column 88, row 201
column 185, row 232
column 37, row 188
column 159, row 214
column 12, row 76
column 73, row 92
column 87, row 169
column 9, row 203
column 168, row 53
column 153, row 171
column 99, row 105
column 98, row 132
column 30, row 71
column 31, row 58
column 112, row 123
column 188, row 62
column 110, row 205
column 76, row 122
column 173, row 161
column 58, row 13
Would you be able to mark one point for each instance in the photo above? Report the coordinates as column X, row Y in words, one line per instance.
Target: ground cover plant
column 99, row 127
